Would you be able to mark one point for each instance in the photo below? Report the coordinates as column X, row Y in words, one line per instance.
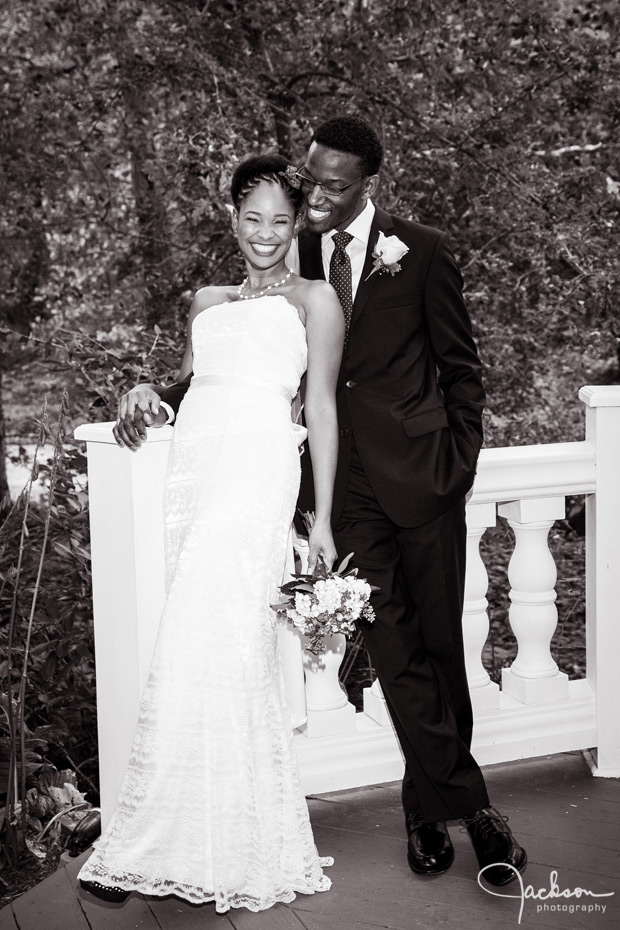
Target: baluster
column 375, row 705
column 534, row 677
column 484, row 692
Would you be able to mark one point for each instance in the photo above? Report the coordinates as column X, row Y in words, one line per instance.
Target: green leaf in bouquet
column 321, row 570
column 344, row 564
column 291, row 586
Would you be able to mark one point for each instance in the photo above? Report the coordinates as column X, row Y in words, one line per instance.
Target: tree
column 498, row 121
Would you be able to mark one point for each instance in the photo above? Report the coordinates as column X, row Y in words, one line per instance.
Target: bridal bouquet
column 326, row 602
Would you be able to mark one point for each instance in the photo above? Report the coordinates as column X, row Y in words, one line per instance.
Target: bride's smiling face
column 264, row 225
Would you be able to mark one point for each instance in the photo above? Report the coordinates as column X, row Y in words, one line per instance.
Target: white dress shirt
column 356, row 248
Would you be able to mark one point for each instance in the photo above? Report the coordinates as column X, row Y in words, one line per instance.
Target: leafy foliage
column 499, row 122
column 47, row 668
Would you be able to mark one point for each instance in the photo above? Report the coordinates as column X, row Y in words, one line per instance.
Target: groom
column 410, row 402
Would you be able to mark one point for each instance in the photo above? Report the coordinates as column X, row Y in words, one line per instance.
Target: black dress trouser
column 416, row 645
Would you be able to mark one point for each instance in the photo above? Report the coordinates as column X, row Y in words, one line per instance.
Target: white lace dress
column 211, row 807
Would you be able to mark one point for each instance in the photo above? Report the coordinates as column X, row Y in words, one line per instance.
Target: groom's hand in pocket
column 137, row 409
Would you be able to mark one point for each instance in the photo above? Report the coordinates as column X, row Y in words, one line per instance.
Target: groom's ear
column 371, row 185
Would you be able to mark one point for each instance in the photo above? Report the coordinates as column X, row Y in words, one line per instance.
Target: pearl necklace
column 265, row 289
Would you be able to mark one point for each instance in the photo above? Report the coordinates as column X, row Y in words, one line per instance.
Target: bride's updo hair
column 257, row 168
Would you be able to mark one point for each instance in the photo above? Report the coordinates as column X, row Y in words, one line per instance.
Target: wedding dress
column 211, row 807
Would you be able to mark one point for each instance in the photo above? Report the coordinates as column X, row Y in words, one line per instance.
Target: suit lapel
column 310, row 256
column 381, row 222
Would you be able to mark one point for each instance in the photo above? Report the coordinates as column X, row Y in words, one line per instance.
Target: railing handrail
column 504, row 474
column 554, row 469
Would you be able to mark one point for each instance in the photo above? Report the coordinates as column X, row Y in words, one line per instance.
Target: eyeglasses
column 308, row 184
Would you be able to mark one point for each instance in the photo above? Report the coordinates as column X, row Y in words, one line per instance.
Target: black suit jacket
column 409, row 388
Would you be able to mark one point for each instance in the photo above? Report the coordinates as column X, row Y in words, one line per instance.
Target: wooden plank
column 373, row 885
column 133, row 913
column 7, row 918
column 384, row 821
column 174, row 914
column 51, row 905
column 545, row 829
column 560, row 774
column 278, row 917
column 341, row 922
column 565, row 818
column 102, row 915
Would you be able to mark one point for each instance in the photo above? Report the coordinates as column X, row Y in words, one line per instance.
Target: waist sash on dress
column 262, row 384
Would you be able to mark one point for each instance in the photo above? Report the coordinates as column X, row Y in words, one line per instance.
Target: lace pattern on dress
column 211, row 807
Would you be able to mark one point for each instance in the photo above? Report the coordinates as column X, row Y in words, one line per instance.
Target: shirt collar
column 360, row 227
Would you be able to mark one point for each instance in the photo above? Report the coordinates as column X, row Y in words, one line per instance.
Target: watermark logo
column 548, row 894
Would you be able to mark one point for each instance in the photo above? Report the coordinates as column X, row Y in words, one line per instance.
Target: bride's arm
column 325, row 336
column 140, row 407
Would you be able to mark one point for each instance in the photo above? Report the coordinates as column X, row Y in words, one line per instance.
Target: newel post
column 127, row 549
column 603, row 570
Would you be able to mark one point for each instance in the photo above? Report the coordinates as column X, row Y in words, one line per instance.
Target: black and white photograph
column 309, row 464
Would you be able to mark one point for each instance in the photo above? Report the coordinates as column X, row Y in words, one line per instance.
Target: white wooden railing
column 536, row 711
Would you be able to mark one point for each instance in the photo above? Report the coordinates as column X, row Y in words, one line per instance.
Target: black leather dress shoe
column 496, row 849
column 105, row 893
column 429, row 848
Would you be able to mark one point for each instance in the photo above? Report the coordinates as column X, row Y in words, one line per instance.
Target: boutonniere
column 387, row 254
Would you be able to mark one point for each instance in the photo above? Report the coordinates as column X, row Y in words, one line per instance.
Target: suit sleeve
column 174, row 394
column 456, row 356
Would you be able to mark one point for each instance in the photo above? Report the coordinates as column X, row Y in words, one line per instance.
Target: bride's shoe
column 105, row 893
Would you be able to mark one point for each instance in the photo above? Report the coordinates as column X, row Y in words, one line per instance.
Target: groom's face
column 336, row 170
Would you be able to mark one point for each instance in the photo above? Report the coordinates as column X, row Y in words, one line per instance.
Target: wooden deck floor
column 568, row 821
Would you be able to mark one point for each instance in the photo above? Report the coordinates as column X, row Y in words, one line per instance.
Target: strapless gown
column 211, row 807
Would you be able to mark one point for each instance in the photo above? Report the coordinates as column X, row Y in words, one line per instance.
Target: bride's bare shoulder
column 317, row 295
column 315, row 289
column 210, row 296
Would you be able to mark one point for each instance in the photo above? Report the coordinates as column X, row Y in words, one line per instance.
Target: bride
column 211, row 807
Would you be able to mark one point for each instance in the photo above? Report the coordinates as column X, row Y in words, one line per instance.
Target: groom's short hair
column 353, row 135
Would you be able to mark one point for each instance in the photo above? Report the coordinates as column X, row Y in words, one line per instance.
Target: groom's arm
column 173, row 395
column 456, row 355
column 147, row 405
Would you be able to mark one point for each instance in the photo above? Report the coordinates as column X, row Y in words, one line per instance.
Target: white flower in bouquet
column 326, row 602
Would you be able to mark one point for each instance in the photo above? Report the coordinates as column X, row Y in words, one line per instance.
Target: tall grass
column 47, row 671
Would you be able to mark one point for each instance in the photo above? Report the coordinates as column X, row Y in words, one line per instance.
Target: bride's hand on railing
column 321, row 545
column 137, row 409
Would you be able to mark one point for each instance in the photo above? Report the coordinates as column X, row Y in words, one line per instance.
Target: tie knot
column 342, row 239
